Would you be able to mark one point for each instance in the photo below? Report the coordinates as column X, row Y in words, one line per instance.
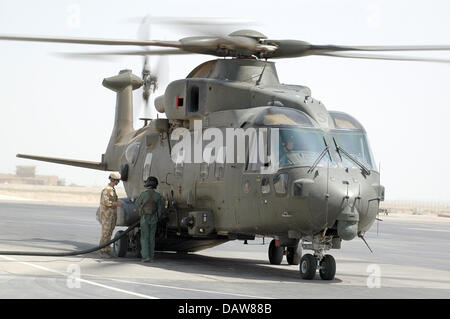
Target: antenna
column 327, row 195
column 379, row 195
column 365, row 242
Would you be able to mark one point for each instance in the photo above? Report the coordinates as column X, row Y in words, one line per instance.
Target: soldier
column 108, row 212
column 150, row 206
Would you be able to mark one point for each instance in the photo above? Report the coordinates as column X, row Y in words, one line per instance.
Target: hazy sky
column 56, row 107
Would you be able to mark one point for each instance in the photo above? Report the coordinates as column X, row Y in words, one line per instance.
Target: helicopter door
column 246, row 191
column 246, row 202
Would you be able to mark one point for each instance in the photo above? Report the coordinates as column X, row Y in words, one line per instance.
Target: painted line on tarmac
column 80, row 279
column 188, row 289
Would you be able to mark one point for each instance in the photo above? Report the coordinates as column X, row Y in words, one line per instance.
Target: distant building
column 27, row 175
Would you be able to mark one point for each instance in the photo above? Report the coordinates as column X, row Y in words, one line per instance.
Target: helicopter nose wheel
column 309, row 263
column 308, row 266
column 327, row 267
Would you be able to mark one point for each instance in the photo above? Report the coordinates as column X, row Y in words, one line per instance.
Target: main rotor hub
column 248, row 33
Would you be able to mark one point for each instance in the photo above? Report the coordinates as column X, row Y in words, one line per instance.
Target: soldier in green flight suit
column 150, row 207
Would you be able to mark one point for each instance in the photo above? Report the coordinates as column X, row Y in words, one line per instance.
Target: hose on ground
column 72, row 253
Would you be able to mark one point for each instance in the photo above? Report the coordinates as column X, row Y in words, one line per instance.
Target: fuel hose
column 71, row 253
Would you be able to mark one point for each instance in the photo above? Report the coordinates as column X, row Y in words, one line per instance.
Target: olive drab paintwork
column 326, row 189
column 315, row 207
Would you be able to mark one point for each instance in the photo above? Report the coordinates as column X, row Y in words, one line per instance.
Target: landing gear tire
column 275, row 253
column 293, row 255
column 120, row 247
column 327, row 268
column 308, row 266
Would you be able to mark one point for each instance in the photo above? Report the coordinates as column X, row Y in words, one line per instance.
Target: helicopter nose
column 347, row 223
column 330, row 205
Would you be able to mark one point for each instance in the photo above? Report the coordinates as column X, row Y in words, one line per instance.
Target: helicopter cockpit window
column 356, row 144
column 147, row 166
column 283, row 117
column 132, row 152
column 343, row 121
column 302, row 147
column 351, row 136
column 280, row 182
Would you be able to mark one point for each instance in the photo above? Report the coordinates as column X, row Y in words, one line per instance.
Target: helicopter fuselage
column 334, row 198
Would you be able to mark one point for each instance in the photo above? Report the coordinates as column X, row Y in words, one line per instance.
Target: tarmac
column 410, row 259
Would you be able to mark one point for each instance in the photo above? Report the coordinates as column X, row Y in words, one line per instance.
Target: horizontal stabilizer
column 71, row 162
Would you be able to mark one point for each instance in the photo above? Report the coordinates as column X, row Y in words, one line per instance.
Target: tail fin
column 123, row 84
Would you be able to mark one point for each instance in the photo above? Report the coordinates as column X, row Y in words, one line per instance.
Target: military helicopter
column 326, row 185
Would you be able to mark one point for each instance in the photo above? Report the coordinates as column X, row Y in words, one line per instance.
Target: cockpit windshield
column 302, row 147
column 351, row 136
column 356, row 144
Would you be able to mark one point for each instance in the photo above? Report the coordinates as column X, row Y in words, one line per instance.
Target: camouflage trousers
column 108, row 218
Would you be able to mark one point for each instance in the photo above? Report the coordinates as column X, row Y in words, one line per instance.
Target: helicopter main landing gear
column 130, row 243
column 277, row 251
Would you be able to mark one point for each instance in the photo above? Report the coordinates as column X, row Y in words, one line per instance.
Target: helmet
column 114, row 175
column 151, row 182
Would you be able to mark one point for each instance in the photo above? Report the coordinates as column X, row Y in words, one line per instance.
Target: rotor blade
column 162, row 71
column 198, row 25
column 381, row 48
column 138, row 53
column 296, row 48
column 172, row 44
column 288, row 48
column 380, row 57
column 191, row 20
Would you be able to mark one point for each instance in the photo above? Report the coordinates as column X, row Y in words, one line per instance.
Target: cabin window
column 265, row 185
column 193, row 99
column 132, row 152
column 280, row 183
column 147, row 166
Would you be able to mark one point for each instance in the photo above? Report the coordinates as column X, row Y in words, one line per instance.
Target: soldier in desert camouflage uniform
column 108, row 212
